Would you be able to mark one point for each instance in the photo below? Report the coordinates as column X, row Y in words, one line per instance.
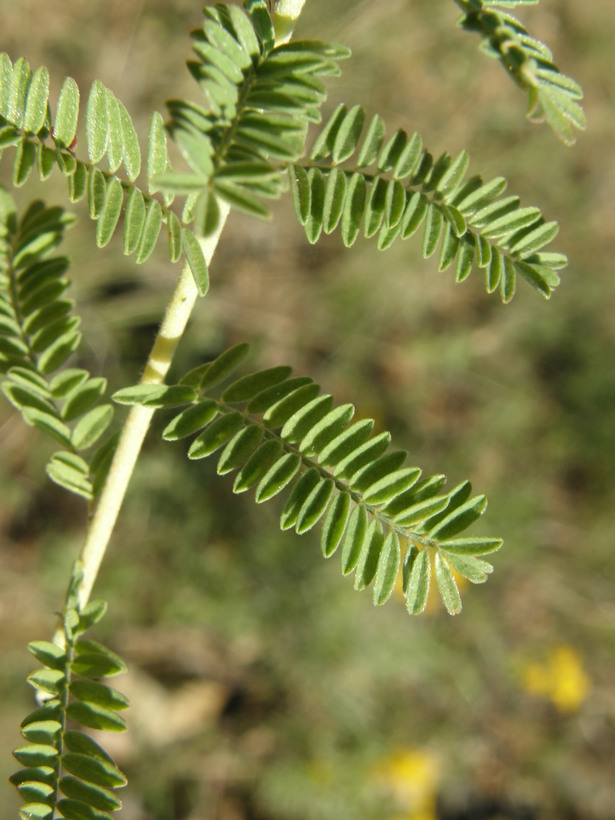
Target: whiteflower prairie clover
column 256, row 134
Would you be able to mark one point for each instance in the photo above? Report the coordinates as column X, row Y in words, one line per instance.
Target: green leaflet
column 328, row 428
column 93, row 716
column 67, row 113
column 134, row 221
column 352, row 211
column 35, row 116
column 258, row 467
column 335, row 524
column 372, row 142
column 51, row 681
column 417, row 575
column 446, row 584
column 250, row 386
column 97, row 189
column 301, row 192
column 375, row 207
column 373, row 473
column 323, row 146
column 392, row 485
column 239, row 448
column 17, row 91
column 174, row 235
column 453, row 174
column 314, row 506
column 155, row 395
column 71, row 472
column 387, row 569
column 48, row 423
column 115, row 137
column 36, row 755
column 314, row 222
column 280, row 434
column 300, row 493
column 303, row 420
column 277, row 413
column 94, row 660
column 362, row 456
column 346, row 442
column 77, row 181
column 131, row 152
column 334, row 200
column 474, row 569
column 150, row 232
column 216, row 435
column 369, row 558
column 92, row 426
column 415, row 511
column 190, row 421
column 196, row 260
column 49, row 654
column 25, row 157
column 110, row 212
column 222, row 367
column 352, row 540
column 277, row 477
column 97, row 122
column 347, row 134
column 157, row 156
column 100, row 694
column 390, row 155
column 93, row 769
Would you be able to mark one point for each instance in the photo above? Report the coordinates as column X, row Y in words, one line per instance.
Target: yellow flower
column 411, row 775
column 560, row 677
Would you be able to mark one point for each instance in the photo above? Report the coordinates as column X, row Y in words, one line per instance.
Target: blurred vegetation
column 311, row 703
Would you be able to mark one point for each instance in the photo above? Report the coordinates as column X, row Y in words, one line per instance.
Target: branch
column 137, row 423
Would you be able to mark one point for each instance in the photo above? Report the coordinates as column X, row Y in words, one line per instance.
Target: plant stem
column 137, row 423
column 285, row 15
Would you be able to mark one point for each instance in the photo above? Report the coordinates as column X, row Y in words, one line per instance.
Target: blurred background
column 262, row 686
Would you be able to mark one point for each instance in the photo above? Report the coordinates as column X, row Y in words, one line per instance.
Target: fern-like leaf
column 391, row 188
column 278, row 432
column 39, row 141
column 260, row 99
column 38, row 333
column 552, row 96
column 64, row 770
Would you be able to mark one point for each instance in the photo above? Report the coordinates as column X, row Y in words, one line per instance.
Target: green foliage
column 552, row 96
column 64, row 769
column 468, row 218
column 280, row 434
column 38, row 333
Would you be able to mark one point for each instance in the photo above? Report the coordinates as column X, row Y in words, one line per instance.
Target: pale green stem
column 137, row 423
column 285, row 15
